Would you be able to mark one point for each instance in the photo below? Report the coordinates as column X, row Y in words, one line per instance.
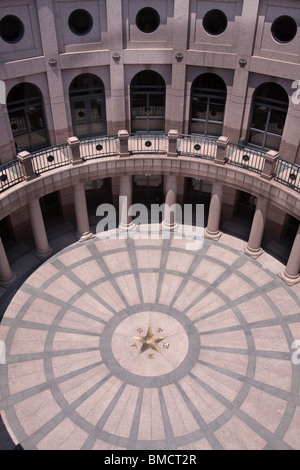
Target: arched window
column 87, row 100
column 269, row 109
column 26, row 115
column 208, row 98
column 148, row 102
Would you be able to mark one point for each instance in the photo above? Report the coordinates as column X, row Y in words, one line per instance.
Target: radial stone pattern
column 142, row 344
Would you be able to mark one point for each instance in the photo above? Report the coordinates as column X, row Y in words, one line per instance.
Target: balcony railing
column 197, row 146
column 48, row 159
column 267, row 164
column 288, row 174
column 147, row 143
column 244, row 157
column 97, row 147
column 10, row 174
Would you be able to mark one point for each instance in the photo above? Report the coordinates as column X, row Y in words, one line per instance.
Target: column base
column 253, row 253
column 8, row 281
column 43, row 254
column 127, row 227
column 289, row 280
column 169, row 227
column 82, row 237
column 212, row 235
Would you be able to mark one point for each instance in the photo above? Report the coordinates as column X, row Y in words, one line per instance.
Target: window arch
column 26, row 115
column 148, row 92
column 87, row 101
column 269, row 110
column 208, row 99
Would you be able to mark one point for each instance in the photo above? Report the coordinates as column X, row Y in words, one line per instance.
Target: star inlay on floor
column 141, row 344
column 149, row 341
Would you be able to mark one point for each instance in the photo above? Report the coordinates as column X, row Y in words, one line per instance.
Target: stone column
column 117, row 119
column 82, row 219
column 57, row 103
column 253, row 248
column 169, row 223
column 175, row 107
column 212, row 230
column 246, row 24
column 291, row 274
column 125, row 201
column 42, row 248
column 6, row 275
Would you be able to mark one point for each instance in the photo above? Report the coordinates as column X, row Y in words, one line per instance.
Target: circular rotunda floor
column 143, row 344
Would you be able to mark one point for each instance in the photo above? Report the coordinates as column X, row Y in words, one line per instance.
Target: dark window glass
column 26, row 114
column 215, row 22
column 208, row 105
column 270, row 105
column 284, row 29
column 80, row 22
column 87, row 100
column 147, row 20
column 11, row 29
column 147, row 102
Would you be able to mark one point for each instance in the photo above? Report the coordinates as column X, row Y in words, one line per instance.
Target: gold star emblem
column 149, row 341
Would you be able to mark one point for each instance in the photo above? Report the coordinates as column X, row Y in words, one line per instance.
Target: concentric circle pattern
column 142, row 344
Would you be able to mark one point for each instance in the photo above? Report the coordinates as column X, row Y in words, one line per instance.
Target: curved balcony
column 268, row 165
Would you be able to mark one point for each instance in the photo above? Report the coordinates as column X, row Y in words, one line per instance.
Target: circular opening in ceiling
column 215, row 22
column 147, row 20
column 80, row 22
column 11, row 29
column 284, row 29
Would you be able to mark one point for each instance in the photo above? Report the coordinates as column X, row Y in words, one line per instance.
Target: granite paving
column 145, row 344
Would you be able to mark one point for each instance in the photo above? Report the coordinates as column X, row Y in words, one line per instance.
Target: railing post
column 221, row 154
column 123, row 136
column 25, row 160
column 173, row 135
column 268, row 170
column 74, row 145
